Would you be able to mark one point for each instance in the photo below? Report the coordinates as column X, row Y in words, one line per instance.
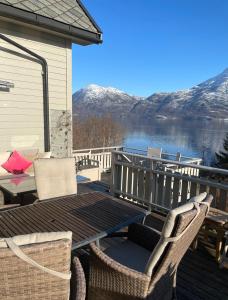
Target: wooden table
column 90, row 217
column 216, row 221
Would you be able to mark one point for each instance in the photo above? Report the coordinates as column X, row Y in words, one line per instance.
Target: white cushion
column 4, row 156
column 44, row 154
column 130, row 255
column 55, row 177
column 35, row 238
column 154, row 152
column 27, row 152
column 32, row 156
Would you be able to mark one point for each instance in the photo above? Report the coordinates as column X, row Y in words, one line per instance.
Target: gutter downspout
column 45, row 88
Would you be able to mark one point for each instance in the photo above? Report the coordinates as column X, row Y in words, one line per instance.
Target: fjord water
column 193, row 138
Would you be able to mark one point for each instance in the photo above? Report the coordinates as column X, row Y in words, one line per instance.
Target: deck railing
column 164, row 155
column 148, row 181
column 140, row 157
column 103, row 155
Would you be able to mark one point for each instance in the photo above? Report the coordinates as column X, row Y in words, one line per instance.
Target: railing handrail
column 95, row 149
column 177, row 175
column 93, row 154
column 181, row 164
column 195, row 159
column 166, row 153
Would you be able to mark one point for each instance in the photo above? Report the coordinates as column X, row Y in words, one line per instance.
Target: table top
column 18, row 184
column 89, row 216
column 24, row 184
column 217, row 216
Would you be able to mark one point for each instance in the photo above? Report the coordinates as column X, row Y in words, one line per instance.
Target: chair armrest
column 109, row 276
column 78, row 283
column 143, row 235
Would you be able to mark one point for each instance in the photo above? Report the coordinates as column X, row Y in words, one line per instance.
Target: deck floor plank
column 199, row 276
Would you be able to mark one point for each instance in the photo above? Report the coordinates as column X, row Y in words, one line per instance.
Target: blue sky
column 154, row 45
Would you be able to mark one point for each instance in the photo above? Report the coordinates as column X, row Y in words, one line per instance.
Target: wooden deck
column 199, row 276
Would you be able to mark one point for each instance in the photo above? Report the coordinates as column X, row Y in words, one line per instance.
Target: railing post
column 112, row 185
column 151, row 194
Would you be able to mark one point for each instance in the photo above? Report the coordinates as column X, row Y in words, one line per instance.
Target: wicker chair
column 154, row 152
column 144, row 266
column 37, row 266
column 55, row 177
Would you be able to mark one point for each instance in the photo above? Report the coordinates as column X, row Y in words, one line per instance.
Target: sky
column 154, row 45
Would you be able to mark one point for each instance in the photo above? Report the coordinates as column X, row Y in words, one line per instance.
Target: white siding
column 21, row 108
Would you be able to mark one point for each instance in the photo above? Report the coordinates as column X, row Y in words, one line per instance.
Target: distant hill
column 206, row 100
column 100, row 100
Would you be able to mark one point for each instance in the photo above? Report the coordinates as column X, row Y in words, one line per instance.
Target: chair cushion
column 4, row 156
column 16, row 164
column 32, row 157
column 36, row 238
column 44, row 154
column 130, row 255
column 55, row 177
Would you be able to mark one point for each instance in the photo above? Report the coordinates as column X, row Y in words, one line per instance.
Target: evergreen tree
column 222, row 155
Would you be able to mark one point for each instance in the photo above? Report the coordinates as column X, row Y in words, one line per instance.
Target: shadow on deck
column 199, row 276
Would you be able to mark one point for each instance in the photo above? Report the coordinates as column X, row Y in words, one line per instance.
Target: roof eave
column 75, row 34
column 89, row 16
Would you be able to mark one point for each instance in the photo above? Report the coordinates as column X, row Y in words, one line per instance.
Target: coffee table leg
column 219, row 244
column 2, row 198
column 21, row 198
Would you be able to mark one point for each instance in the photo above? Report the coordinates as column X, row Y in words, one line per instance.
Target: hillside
column 205, row 100
column 99, row 100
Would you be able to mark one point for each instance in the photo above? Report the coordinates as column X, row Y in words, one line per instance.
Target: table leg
column 219, row 239
column 143, row 220
column 21, row 198
column 195, row 243
column 2, row 199
column 206, row 232
column 98, row 243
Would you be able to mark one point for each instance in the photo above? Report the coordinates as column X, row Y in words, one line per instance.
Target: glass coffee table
column 23, row 184
column 19, row 185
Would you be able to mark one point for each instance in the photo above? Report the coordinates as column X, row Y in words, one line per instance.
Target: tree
column 221, row 157
column 95, row 131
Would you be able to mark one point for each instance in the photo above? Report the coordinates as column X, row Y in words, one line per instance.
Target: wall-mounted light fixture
column 6, row 84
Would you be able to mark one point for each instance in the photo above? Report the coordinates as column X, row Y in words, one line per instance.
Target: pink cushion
column 16, row 163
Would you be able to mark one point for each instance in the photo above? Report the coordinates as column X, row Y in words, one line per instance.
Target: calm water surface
column 191, row 138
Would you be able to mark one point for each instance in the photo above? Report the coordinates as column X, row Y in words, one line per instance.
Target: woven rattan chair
column 144, row 266
column 37, row 267
column 154, row 152
column 55, row 177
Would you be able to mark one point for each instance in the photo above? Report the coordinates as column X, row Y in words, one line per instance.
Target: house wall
column 21, row 107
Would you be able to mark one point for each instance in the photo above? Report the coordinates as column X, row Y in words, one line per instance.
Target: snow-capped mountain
column 206, row 100
column 95, row 99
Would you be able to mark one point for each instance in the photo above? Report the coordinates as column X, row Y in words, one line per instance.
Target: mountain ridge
column 208, row 99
